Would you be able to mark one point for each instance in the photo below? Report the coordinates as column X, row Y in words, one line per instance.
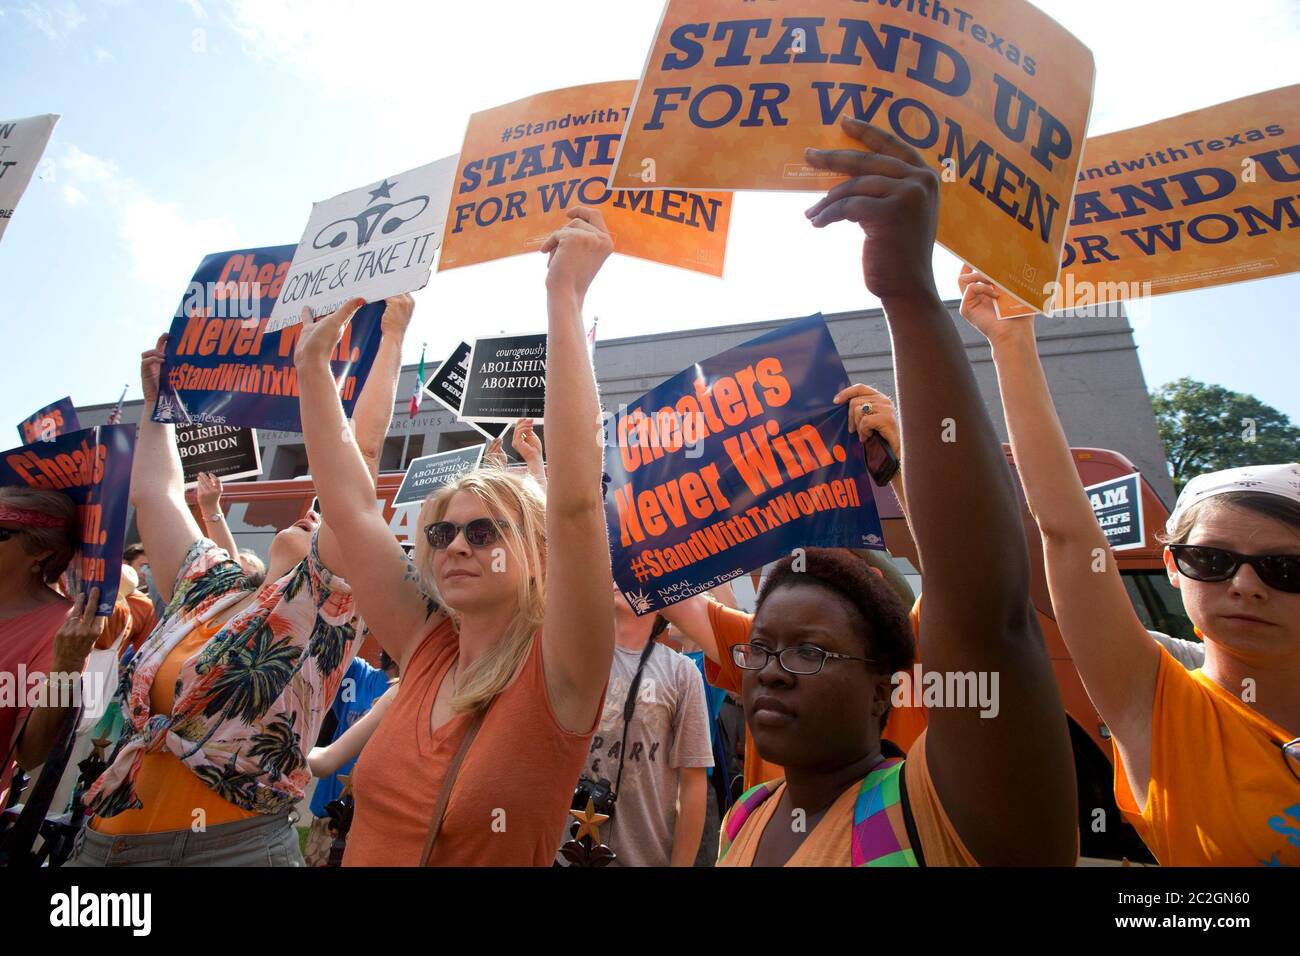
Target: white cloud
column 55, row 20
column 89, row 168
column 196, row 8
column 103, row 56
column 162, row 241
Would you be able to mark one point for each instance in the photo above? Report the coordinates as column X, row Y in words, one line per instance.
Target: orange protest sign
column 1202, row 199
column 994, row 94
column 524, row 163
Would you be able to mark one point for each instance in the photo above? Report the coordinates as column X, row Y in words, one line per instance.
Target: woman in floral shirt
column 227, row 695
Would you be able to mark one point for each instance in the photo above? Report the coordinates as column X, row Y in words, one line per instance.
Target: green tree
column 1208, row 427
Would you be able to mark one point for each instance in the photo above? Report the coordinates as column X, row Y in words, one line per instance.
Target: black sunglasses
column 479, row 533
column 8, row 533
column 1279, row 571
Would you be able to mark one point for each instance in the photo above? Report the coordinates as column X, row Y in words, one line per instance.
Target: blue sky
column 193, row 126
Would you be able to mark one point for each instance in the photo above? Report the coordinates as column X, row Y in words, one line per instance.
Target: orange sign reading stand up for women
column 994, row 94
column 525, row 163
column 1202, row 199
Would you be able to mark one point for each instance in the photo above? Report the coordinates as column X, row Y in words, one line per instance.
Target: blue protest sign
column 93, row 468
column 733, row 463
column 224, row 368
column 57, row 418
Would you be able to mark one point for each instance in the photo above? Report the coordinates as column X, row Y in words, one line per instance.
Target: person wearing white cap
column 1207, row 764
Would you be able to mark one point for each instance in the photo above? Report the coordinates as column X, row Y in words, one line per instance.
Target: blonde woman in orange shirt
column 476, row 760
column 1207, row 764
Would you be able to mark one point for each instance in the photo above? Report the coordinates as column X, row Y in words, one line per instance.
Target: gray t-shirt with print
column 669, row 730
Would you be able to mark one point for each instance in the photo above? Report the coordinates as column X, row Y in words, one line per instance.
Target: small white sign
column 22, row 141
column 371, row 242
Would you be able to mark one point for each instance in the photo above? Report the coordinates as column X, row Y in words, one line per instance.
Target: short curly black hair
column 888, row 637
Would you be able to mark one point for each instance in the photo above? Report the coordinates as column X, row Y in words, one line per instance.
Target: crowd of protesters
column 517, row 684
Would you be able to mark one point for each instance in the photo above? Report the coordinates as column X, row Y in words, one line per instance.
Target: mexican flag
column 418, row 394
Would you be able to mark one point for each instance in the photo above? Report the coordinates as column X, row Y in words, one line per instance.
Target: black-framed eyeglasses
column 1200, row 563
column 479, row 533
column 801, row 660
column 1290, row 755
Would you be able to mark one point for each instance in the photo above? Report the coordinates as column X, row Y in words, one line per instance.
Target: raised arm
column 578, row 632
column 373, row 414
column 167, row 528
column 208, row 493
column 327, row 760
column 871, row 411
column 691, row 617
column 1007, row 782
column 1113, row 652
column 385, row 584
column 524, row 440
column 374, row 409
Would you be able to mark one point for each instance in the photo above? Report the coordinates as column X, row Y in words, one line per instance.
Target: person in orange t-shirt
column 1207, row 762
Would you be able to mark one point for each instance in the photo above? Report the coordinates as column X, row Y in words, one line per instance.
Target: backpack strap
column 749, row 801
column 881, row 835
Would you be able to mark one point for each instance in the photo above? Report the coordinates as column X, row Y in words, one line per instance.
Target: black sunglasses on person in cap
column 1200, row 563
column 479, row 533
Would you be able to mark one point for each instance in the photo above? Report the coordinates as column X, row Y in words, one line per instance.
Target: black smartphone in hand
column 882, row 463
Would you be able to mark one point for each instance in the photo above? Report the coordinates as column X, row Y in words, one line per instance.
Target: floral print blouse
column 249, row 704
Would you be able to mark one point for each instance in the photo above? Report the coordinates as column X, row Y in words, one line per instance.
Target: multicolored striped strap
column 740, row 810
column 879, row 823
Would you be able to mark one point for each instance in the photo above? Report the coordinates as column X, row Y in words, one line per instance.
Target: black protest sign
column 1118, row 506
column 428, row 474
column 447, row 386
column 506, row 379
column 228, row 453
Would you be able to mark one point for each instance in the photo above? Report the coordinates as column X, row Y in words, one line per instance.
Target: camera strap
column 629, row 705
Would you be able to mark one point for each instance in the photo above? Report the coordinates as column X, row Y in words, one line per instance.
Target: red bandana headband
column 32, row 519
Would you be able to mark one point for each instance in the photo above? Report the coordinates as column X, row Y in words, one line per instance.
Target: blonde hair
column 60, row 542
column 520, row 503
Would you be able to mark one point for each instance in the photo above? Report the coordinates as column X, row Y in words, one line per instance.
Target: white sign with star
column 371, row 242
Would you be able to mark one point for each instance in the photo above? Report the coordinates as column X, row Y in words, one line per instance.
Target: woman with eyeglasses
column 982, row 785
column 502, row 679
column 1207, row 762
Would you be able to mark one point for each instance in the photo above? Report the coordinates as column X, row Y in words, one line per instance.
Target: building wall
column 1091, row 363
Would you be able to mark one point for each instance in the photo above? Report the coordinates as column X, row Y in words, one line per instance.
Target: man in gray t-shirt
column 659, row 814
